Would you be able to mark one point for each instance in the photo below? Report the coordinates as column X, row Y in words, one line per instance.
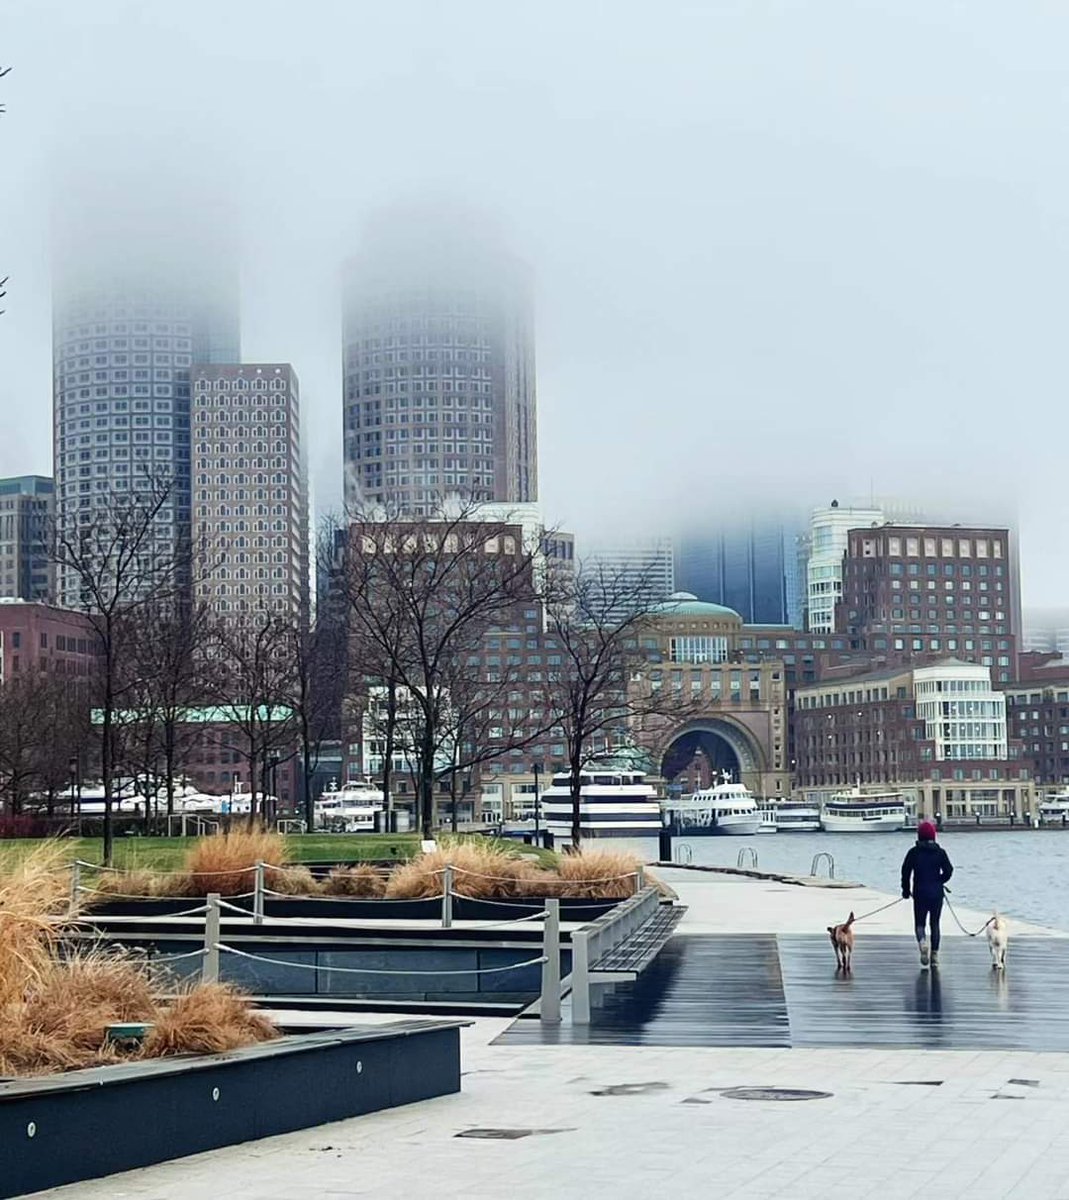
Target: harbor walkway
column 914, row 1117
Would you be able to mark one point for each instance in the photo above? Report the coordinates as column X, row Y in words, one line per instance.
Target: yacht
column 351, row 808
column 1055, row 809
column 728, row 808
column 855, row 811
column 797, row 816
column 615, row 801
column 767, row 813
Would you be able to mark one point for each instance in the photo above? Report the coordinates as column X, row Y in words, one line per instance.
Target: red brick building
column 37, row 636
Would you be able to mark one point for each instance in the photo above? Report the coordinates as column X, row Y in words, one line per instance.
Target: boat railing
column 747, row 856
column 821, row 857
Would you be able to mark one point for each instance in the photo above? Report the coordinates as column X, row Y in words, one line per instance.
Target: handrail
column 747, row 851
column 818, row 858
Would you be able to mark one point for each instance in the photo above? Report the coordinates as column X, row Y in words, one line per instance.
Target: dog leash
column 958, row 922
column 889, row 904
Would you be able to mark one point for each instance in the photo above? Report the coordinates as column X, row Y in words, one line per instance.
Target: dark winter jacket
column 929, row 867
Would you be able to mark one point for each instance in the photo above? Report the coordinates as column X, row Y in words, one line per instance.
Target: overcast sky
column 783, row 251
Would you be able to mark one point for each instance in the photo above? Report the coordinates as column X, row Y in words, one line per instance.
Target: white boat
column 797, row 816
column 352, row 808
column 767, row 813
column 727, row 809
column 615, row 801
column 1055, row 809
column 855, row 811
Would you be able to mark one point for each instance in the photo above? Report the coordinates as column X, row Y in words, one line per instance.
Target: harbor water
column 1023, row 874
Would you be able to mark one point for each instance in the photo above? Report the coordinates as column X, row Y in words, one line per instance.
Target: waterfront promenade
column 614, row 1118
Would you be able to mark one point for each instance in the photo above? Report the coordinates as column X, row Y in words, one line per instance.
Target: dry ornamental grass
column 363, row 881
column 55, row 1010
column 226, row 862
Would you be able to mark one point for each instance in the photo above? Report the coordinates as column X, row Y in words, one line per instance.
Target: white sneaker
column 935, row 959
column 924, row 955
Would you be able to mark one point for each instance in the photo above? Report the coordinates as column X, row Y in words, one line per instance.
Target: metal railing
column 599, row 938
column 747, row 856
column 818, row 858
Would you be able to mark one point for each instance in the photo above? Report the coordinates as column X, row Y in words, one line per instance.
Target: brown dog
column 842, row 939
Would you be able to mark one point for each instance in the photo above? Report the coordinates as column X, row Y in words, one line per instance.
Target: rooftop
column 686, row 604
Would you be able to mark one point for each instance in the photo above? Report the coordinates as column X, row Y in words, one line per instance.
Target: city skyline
column 797, row 307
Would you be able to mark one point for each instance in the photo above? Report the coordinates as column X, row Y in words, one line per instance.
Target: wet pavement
column 744, row 990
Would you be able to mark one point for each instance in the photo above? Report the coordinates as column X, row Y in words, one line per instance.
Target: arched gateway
column 696, row 754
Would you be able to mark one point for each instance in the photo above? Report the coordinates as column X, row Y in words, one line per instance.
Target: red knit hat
column 926, row 831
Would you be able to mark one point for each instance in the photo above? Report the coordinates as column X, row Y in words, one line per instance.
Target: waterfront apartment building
column 26, row 510
column 249, row 489
column 937, row 733
column 131, row 315
column 911, row 591
column 438, row 368
column 1037, row 712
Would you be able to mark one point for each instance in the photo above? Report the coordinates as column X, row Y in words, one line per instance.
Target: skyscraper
column 438, row 365
column 134, row 307
column 743, row 565
column 639, row 572
column 249, row 488
column 26, row 506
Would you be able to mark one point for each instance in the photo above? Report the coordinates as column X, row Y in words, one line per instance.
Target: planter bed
column 62, row 1129
column 356, row 909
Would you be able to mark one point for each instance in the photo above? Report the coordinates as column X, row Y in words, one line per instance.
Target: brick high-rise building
column 911, row 591
column 249, row 488
column 26, row 508
column 438, row 364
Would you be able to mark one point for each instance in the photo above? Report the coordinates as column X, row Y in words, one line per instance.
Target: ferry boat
column 797, row 816
column 1055, row 809
column 615, row 801
column 351, row 808
column 855, row 811
column 727, row 809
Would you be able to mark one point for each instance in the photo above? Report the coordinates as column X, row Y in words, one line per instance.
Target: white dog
column 998, row 938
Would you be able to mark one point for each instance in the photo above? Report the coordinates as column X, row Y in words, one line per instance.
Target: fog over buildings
column 778, row 255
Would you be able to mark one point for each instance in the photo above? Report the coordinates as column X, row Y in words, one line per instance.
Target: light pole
column 76, row 798
column 536, row 770
column 272, row 775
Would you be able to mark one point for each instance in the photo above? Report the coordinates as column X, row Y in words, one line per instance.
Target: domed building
column 710, row 714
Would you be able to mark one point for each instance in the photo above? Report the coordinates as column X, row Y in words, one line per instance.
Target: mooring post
column 210, row 970
column 76, row 883
column 550, row 1006
column 580, row 979
column 258, row 896
column 447, row 897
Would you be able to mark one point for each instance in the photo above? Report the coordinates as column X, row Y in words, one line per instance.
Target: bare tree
column 316, row 668
column 421, row 595
column 250, row 674
column 121, row 558
column 595, row 620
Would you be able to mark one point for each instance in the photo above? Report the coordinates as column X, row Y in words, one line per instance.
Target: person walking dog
column 925, row 871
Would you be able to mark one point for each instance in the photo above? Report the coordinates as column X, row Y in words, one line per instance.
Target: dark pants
column 928, row 909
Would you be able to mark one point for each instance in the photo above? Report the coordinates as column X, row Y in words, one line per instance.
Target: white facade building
column 824, row 572
column 962, row 713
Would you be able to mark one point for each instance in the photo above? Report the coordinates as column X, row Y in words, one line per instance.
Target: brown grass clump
column 209, row 1019
column 293, row 881
column 226, row 862
column 141, row 881
column 598, row 874
column 482, row 870
column 363, row 881
column 34, row 897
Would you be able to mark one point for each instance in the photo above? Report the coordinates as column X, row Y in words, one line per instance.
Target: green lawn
column 168, row 853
